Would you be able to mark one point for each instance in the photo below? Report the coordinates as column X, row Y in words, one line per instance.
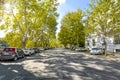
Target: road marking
column 15, row 71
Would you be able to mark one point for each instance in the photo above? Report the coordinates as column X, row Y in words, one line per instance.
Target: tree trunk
column 24, row 39
column 105, row 43
column 35, row 44
column 65, row 45
column 23, row 44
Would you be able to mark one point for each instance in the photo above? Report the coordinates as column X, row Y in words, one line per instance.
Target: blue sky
column 70, row 5
column 64, row 7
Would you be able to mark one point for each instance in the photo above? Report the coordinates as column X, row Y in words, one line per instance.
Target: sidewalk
column 115, row 57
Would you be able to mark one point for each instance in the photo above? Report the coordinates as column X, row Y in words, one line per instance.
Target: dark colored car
column 36, row 50
column 11, row 54
column 81, row 49
column 41, row 49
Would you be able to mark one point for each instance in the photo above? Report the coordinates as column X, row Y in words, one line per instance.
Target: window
column 88, row 43
column 93, row 42
column 117, row 39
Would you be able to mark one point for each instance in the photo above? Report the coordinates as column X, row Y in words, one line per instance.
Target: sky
column 64, row 7
column 68, row 6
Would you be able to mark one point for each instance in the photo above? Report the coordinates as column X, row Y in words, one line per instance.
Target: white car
column 96, row 51
column 28, row 51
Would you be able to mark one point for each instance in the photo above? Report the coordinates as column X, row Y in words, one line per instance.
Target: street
column 60, row 64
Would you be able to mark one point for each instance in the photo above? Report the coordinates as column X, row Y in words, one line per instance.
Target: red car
column 11, row 53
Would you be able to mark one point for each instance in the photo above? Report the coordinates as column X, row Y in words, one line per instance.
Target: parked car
column 73, row 48
column 28, row 51
column 82, row 49
column 11, row 53
column 41, row 49
column 47, row 48
column 1, row 50
column 96, row 51
column 36, row 50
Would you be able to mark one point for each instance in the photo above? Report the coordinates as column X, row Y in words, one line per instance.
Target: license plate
column 6, row 53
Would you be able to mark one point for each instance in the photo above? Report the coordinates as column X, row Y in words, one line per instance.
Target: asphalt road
column 60, row 64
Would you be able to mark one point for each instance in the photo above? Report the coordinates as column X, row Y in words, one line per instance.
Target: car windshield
column 9, row 49
column 26, row 49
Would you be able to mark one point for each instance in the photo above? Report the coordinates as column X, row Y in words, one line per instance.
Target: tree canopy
column 32, row 19
column 72, row 29
column 104, row 18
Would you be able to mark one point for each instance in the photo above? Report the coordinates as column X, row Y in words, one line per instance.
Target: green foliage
column 2, row 2
column 72, row 30
column 30, row 44
column 13, row 39
column 44, row 27
column 64, row 36
column 34, row 19
column 104, row 18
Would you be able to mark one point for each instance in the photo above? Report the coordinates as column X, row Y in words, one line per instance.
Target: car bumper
column 94, row 53
column 27, row 54
column 7, row 57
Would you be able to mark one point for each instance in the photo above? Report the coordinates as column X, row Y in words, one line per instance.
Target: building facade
column 94, row 41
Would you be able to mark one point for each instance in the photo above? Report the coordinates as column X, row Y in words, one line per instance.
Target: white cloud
column 61, row 1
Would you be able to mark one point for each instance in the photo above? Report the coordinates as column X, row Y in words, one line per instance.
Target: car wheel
column 1, row 60
column 23, row 56
column 29, row 54
column 15, row 58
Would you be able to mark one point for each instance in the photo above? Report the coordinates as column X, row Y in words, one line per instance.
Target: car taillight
column 1, row 52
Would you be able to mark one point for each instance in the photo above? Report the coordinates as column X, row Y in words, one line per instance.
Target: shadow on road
column 80, row 67
column 15, row 72
column 61, row 64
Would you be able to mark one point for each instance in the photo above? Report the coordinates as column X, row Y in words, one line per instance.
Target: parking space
column 60, row 64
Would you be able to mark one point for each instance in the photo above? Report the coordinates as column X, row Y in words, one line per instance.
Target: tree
column 63, row 36
column 18, row 18
column 74, row 34
column 45, row 23
column 2, row 2
column 31, row 19
column 13, row 39
column 104, row 20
